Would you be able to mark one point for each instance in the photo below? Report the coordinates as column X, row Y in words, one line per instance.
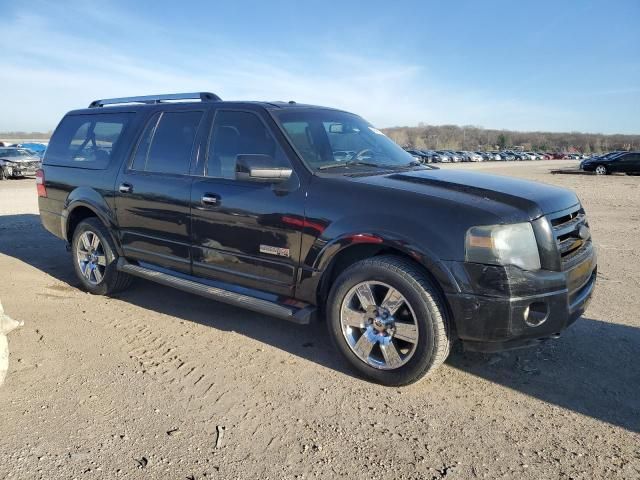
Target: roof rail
column 150, row 99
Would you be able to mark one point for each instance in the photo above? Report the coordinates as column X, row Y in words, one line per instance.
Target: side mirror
column 260, row 168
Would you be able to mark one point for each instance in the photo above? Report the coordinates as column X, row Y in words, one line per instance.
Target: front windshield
column 329, row 139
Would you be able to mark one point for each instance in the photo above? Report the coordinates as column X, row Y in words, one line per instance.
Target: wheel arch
column 352, row 248
column 79, row 207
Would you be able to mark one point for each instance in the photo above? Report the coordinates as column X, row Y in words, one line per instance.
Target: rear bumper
column 533, row 306
column 52, row 222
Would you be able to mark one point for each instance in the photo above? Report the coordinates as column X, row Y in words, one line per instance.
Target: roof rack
column 151, row 99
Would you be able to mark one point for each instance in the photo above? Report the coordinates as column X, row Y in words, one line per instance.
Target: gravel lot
column 143, row 384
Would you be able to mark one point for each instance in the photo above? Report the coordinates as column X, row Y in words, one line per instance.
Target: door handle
column 125, row 188
column 210, row 200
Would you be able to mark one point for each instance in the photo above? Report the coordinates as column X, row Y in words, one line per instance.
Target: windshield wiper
column 350, row 163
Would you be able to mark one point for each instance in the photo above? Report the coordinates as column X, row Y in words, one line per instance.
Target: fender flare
column 327, row 253
column 93, row 201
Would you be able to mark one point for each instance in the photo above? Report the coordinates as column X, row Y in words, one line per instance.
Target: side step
column 300, row 316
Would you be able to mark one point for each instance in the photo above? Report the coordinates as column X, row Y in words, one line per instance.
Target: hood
column 533, row 199
column 20, row 159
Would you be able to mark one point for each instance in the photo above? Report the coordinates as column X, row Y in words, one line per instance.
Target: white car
column 474, row 157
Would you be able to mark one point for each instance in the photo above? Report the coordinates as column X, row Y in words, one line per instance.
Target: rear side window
column 166, row 144
column 87, row 141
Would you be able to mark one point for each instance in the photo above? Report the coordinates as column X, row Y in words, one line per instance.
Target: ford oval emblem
column 584, row 232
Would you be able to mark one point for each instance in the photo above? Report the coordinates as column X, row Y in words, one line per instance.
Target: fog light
column 536, row 314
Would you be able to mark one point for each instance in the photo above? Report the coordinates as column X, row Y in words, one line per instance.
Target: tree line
column 25, row 135
column 469, row 137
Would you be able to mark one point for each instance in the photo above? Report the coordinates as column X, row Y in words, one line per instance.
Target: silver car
column 18, row 162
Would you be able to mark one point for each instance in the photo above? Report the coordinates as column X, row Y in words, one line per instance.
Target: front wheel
column 601, row 170
column 95, row 259
column 388, row 320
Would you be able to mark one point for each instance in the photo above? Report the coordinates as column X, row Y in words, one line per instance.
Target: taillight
column 42, row 190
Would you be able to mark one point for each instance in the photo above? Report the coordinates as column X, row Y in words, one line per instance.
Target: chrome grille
column 571, row 238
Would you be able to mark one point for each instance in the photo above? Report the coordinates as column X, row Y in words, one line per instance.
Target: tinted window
column 142, row 151
column 239, row 133
column 167, row 143
column 87, row 141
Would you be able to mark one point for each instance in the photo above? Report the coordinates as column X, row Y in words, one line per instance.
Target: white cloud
column 49, row 70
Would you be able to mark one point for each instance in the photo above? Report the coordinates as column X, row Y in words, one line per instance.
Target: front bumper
column 18, row 170
column 506, row 307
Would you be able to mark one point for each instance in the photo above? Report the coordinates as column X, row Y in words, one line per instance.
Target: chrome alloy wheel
column 379, row 325
column 601, row 170
column 91, row 258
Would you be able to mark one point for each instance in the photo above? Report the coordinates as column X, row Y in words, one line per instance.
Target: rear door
column 243, row 232
column 153, row 190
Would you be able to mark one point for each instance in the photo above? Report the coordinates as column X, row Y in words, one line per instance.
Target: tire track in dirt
column 160, row 357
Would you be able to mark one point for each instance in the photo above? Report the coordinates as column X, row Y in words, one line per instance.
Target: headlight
column 513, row 244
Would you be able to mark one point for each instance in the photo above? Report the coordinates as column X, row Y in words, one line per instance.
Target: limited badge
column 280, row 252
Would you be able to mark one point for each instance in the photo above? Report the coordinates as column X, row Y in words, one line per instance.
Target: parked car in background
column 515, row 155
column 455, row 157
column 432, row 156
column 445, row 157
column 625, row 162
column 417, row 154
column 474, row 156
column 464, row 156
column 17, row 162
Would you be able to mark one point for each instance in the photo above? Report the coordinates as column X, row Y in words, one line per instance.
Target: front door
column 243, row 232
column 153, row 192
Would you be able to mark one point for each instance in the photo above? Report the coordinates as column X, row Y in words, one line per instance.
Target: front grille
column 567, row 226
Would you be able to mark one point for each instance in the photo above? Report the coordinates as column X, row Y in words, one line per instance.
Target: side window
column 239, row 133
column 167, row 143
column 86, row 140
column 142, row 151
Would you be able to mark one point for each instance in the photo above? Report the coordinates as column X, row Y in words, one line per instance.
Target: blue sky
column 520, row 65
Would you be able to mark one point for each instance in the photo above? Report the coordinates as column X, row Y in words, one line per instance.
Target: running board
column 302, row 316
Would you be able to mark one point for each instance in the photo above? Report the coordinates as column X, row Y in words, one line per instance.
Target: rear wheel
column 601, row 170
column 95, row 259
column 388, row 320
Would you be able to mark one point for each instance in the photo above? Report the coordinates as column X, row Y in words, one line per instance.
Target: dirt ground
column 143, row 384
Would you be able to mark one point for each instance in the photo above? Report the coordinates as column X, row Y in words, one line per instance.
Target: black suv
column 294, row 210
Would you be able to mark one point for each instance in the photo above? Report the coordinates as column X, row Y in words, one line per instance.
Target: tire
column 3, row 174
column 601, row 170
column 101, row 275
column 418, row 331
